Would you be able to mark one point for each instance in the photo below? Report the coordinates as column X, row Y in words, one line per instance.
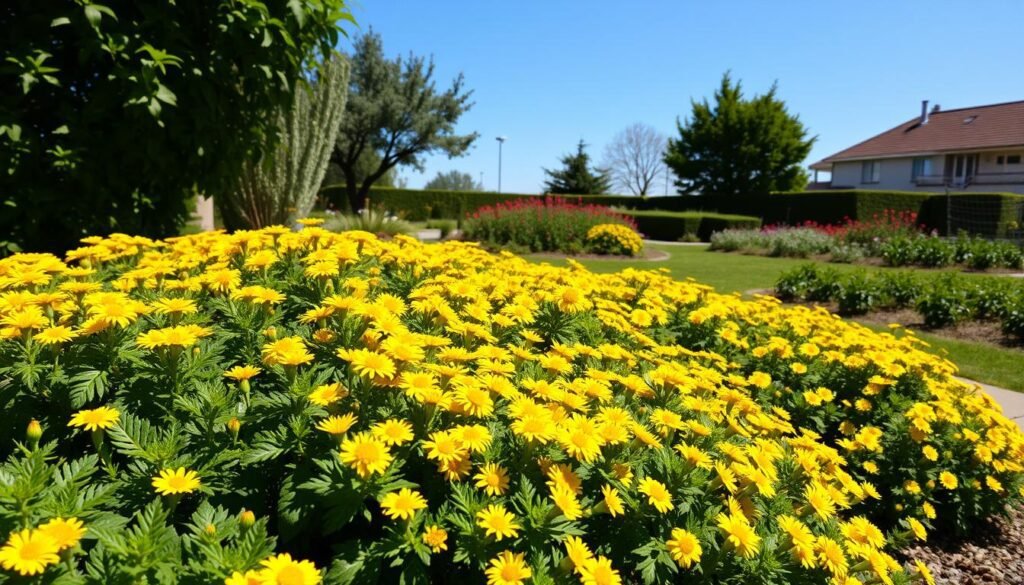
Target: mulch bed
column 992, row 553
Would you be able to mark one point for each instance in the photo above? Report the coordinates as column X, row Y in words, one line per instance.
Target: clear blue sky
column 547, row 73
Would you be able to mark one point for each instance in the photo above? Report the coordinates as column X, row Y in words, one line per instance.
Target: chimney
column 924, row 112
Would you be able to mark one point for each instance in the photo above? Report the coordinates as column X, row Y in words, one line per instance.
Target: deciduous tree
column 453, row 181
column 635, row 158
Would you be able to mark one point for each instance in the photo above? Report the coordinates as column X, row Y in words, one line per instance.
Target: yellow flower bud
column 34, row 432
column 234, row 425
column 247, row 519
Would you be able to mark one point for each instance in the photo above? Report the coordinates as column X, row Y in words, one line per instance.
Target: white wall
column 895, row 175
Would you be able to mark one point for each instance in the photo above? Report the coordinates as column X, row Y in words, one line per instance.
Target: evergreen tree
column 576, row 176
column 738, row 146
column 395, row 110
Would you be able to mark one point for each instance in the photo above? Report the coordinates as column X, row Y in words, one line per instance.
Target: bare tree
column 635, row 158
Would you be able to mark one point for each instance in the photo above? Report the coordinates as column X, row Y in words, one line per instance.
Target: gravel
column 993, row 553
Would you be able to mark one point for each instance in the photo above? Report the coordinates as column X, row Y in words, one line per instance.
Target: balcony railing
column 977, row 179
column 998, row 179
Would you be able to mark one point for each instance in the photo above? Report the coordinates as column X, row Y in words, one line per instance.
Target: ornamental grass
column 272, row 407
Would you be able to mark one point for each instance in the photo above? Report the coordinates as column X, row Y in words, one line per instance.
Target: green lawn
column 984, row 362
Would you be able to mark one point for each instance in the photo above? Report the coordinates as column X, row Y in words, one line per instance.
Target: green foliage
column 395, row 112
column 739, row 146
column 114, row 114
column 941, row 299
column 540, row 225
column 453, row 181
column 674, row 226
column 283, row 185
column 576, row 176
column 371, row 220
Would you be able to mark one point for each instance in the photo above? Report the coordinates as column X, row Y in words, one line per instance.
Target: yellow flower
column 599, row 571
column 565, row 499
column 170, row 482
column 612, row 500
column 365, row 454
column 739, row 534
column 924, row 572
column 283, row 570
column 103, row 417
column 443, row 447
column 917, row 529
column 371, row 364
column 241, row 373
column 657, row 494
column 497, row 522
column 436, row 538
column 55, row 335
column 337, row 425
column 246, row 578
column 393, row 431
column 28, row 552
column 175, row 306
column 493, row 479
column 508, row 569
column 684, row 548
column 287, row 351
column 948, row 480
column 327, row 394
column 402, row 504
column 831, row 556
column 65, row 532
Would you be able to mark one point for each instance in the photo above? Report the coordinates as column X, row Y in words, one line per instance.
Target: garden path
column 1012, row 402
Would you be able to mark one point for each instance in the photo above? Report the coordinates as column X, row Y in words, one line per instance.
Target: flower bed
column 940, row 299
column 549, row 224
column 892, row 237
column 286, row 407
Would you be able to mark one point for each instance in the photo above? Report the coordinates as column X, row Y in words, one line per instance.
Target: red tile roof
column 981, row 127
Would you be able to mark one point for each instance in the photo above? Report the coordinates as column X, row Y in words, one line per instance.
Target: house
column 967, row 149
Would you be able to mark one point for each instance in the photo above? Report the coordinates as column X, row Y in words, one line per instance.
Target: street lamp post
column 501, row 141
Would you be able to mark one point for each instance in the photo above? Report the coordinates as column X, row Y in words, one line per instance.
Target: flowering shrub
column 289, row 407
column 548, row 224
column 892, row 236
column 612, row 238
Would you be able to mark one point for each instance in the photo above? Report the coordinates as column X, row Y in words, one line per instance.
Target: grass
column 983, row 362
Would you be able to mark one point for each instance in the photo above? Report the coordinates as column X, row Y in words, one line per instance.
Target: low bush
column 776, row 241
column 446, row 226
column 674, row 226
column 374, row 221
column 942, row 299
column 615, row 239
column 289, row 407
column 551, row 224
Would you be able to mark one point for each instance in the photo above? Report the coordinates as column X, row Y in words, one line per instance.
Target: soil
column 992, row 554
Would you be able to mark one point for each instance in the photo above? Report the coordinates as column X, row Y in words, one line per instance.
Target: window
column 1000, row 160
column 870, row 171
column 922, row 167
column 1013, row 159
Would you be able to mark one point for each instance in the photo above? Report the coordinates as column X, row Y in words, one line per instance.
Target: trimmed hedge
column 423, row 204
column 991, row 213
column 673, row 226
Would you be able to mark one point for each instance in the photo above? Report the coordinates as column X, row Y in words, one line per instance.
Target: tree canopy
column 453, row 181
column 395, row 110
column 739, row 146
column 112, row 115
column 576, row 177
